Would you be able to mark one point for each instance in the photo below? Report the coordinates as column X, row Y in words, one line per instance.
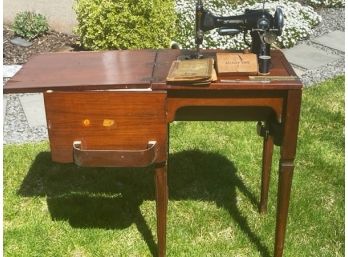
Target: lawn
column 214, row 178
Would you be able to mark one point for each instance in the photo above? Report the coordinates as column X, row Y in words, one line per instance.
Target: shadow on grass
column 110, row 198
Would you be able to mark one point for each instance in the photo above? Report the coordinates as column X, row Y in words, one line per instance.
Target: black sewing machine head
column 263, row 27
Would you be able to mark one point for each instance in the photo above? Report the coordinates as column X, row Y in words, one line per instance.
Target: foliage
column 125, row 24
column 325, row 3
column 299, row 21
column 53, row 209
column 30, row 25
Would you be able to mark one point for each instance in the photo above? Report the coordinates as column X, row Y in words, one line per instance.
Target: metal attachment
column 262, row 129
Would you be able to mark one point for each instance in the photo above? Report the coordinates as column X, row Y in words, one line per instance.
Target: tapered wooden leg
column 266, row 171
column 286, row 165
column 286, row 169
column 161, row 206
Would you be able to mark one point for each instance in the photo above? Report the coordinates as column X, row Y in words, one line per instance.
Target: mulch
column 50, row 42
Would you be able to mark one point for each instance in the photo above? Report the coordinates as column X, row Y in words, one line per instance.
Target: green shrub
column 125, row 24
column 30, row 25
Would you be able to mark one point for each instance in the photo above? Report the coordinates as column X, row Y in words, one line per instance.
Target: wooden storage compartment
column 107, row 128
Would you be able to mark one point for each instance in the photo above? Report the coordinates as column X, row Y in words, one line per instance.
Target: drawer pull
column 114, row 158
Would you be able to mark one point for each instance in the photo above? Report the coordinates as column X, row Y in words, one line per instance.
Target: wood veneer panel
column 105, row 121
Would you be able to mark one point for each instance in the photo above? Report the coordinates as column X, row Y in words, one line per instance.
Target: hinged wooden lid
column 79, row 71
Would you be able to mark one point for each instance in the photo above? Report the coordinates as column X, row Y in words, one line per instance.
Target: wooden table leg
column 266, row 171
column 286, row 165
column 284, row 188
column 161, row 206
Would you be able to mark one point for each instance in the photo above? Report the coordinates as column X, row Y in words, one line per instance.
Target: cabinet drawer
column 106, row 120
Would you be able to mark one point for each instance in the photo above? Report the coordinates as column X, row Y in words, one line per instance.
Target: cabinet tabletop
column 129, row 69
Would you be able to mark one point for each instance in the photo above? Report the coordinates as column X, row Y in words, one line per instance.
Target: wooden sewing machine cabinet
column 113, row 108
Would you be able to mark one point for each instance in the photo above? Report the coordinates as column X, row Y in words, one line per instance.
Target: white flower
column 298, row 23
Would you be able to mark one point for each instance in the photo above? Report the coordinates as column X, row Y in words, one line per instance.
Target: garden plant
column 299, row 22
column 325, row 3
column 125, row 24
column 30, row 25
column 153, row 24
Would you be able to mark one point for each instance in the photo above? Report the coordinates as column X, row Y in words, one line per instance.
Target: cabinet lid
column 84, row 71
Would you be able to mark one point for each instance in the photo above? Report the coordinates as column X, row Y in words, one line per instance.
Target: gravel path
column 332, row 19
column 17, row 130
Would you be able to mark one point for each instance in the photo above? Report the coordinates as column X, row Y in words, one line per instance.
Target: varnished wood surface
column 279, row 67
column 181, row 99
column 79, row 71
column 114, row 158
column 266, row 172
column 161, row 206
column 105, row 121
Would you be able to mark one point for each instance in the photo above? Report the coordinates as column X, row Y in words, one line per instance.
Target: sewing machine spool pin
column 199, row 32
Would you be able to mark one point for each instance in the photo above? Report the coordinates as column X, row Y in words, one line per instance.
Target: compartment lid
column 84, row 71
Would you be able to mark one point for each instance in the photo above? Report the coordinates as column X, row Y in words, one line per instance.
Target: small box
column 236, row 64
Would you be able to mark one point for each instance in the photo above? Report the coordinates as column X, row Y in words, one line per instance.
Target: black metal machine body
column 263, row 27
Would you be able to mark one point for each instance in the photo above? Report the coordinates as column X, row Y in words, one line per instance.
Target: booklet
column 195, row 72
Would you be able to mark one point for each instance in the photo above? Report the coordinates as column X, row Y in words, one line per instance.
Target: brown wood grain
column 266, row 172
column 161, row 206
column 105, row 121
column 77, row 71
column 238, row 98
column 114, row 158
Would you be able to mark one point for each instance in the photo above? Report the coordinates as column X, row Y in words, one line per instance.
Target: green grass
column 214, row 176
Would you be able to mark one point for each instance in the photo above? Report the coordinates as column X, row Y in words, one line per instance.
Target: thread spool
column 264, row 64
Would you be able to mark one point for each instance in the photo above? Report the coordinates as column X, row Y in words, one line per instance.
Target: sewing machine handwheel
column 279, row 21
